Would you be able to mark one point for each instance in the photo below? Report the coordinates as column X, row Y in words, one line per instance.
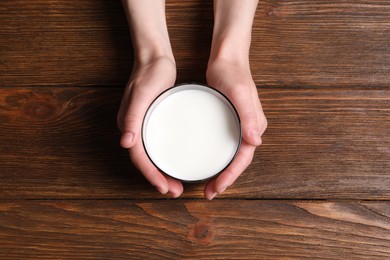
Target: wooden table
column 318, row 187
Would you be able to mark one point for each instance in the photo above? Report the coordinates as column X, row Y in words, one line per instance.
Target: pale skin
column 154, row 70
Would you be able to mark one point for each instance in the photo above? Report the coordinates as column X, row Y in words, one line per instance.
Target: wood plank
column 322, row 43
column 320, row 144
column 194, row 230
column 57, row 43
column 295, row 43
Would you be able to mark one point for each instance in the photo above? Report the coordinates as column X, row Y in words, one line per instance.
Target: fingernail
column 222, row 189
column 129, row 136
column 213, row 196
column 161, row 190
column 256, row 137
column 126, row 139
column 174, row 195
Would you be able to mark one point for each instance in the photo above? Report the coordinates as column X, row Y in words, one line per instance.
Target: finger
column 261, row 119
column 209, row 190
column 150, row 172
column 240, row 163
column 133, row 118
column 247, row 110
column 175, row 187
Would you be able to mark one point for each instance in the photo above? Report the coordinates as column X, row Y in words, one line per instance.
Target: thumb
column 250, row 131
column 249, row 120
column 133, row 117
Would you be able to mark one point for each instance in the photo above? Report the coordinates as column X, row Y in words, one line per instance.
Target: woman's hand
column 154, row 71
column 235, row 81
column 229, row 71
column 146, row 82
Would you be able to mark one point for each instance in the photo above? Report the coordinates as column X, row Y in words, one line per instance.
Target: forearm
column 233, row 21
column 148, row 28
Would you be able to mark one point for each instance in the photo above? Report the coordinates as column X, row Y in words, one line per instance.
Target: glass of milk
column 191, row 132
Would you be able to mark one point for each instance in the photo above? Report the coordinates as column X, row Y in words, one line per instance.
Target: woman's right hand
column 146, row 83
column 154, row 71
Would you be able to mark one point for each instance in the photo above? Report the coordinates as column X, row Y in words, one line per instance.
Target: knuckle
column 265, row 123
column 130, row 120
column 249, row 115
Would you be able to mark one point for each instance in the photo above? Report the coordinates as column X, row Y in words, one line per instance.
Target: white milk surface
column 192, row 135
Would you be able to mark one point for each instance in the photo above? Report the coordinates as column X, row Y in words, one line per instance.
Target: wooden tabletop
column 318, row 187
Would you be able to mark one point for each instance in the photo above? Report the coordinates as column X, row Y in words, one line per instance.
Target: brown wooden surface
column 295, row 43
column 63, row 143
column 318, row 188
column 195, row 230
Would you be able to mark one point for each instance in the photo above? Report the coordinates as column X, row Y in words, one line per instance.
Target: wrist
column 233, row 21
column 230, row 50
column 148, row 30
column 153, row 51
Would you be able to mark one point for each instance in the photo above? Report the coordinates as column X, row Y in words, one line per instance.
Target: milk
column 191, row 132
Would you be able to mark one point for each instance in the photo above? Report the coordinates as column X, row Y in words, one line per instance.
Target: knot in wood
column 202, row 233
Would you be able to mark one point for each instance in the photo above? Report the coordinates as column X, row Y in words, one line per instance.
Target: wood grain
column 68, row 191
column 322, row 43
column 60, row 43
column 320, row 144
column 194, row 230
column 295, row 43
